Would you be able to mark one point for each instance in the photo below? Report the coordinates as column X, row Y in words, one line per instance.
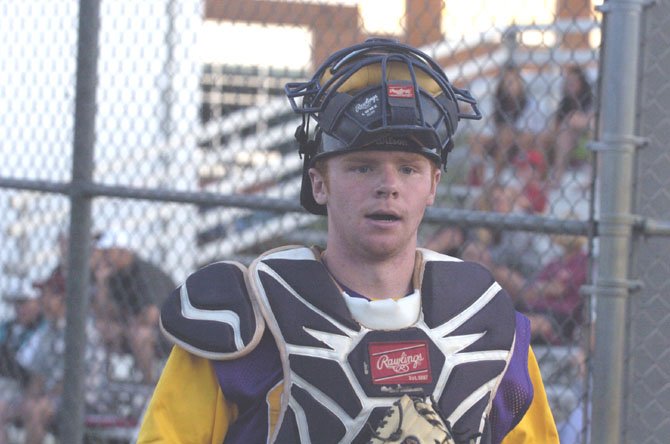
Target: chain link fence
column 648, row 410
column 195, row 161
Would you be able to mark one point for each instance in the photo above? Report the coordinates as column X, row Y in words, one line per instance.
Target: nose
column 388, row 183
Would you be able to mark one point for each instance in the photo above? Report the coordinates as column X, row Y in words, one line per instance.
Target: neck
column 379, row 279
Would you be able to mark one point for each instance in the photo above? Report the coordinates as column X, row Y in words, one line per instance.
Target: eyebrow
column 359, row 157
column 411, row 157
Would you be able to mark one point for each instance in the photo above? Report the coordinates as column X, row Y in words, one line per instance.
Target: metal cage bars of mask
column 344, row 64
column 312, row 91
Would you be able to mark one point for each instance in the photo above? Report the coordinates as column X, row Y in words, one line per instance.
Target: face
column 375, row 200
column 54, row 303
column 28, row 310
column 108, row 257
column 573, row 84
column 513, row 83
column 568, row 243
column 501, row 200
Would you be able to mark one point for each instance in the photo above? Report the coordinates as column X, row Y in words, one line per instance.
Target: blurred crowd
column 521, row 136
column 123, row 319
column 527, row 162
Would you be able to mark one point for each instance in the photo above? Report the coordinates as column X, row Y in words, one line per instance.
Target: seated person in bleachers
column 530, row 170
column 516, row 250
column 128, row 293
column 551, row 298
column 14, row 337
column 447, row 240
column 564, row 139
column 41, row 403
column 516, row 122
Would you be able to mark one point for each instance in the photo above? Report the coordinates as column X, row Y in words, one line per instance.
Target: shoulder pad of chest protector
column 470, row 289
column 211, row 314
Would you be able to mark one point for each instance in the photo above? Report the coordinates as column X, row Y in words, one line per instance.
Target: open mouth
column 384, row 217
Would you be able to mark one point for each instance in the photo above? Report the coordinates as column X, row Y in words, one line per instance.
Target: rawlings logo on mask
column 367, row 107
column 401, row 91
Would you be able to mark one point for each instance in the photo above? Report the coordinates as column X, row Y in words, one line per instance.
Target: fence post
column 617, row 95
column 80, row 222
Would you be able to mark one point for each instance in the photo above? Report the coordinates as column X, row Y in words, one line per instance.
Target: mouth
column 383, row 217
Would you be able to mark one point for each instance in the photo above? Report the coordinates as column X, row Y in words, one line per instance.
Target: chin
column 383, row 250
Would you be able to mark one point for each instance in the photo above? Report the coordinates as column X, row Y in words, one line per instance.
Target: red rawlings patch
column 402, row 91
column 400, row 362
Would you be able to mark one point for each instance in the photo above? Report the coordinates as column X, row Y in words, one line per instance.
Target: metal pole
column 166, row 103
column 80, row 222
column 618, row 91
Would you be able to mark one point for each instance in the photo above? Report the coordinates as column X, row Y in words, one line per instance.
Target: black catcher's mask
column 377, row 95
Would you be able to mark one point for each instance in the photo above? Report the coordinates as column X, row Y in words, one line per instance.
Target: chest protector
column 340, row 376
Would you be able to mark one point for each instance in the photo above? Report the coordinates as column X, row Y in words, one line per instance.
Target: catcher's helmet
column 377, row 95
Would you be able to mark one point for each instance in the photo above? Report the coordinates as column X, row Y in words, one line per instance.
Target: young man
column 311, row 345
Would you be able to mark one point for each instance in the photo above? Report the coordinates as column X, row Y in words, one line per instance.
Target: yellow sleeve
column 187, row 406
column 537, row 425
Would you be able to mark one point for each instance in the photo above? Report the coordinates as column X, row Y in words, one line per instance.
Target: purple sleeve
column 516, row 389
column 246, row 382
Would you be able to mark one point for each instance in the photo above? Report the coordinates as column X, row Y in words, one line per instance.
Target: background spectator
column 516, row 122
column 530, row 171
column 564, row 139
column 14, row 337
column 14, row 333
column 41, row 402
column 128, row 293
column 551, row 298
column 447, row 240
column 519, row 251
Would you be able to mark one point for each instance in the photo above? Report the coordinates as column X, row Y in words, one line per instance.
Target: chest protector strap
column 340, row 376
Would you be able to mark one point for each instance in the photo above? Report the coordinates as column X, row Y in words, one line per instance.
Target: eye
column 361, row 168
column 407, row 169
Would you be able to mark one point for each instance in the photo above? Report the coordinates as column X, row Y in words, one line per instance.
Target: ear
column 435, row 180
column 319, row 188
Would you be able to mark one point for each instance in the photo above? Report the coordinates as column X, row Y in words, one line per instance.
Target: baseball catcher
column 368, row 339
